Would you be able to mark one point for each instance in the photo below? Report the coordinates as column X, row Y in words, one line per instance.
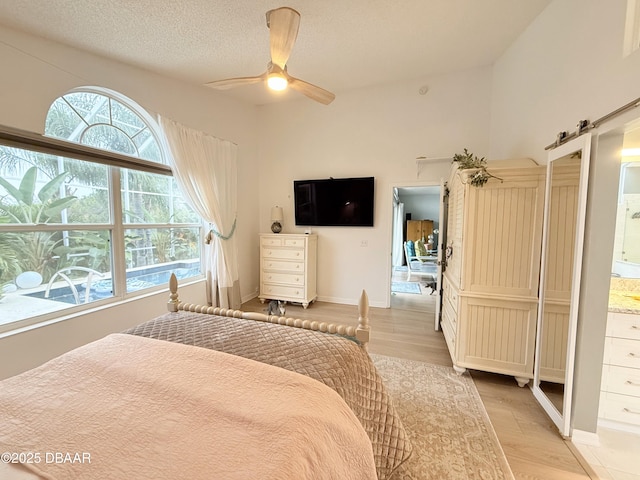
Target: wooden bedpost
column 363, row 330
column 172, row 304
column 361, row 333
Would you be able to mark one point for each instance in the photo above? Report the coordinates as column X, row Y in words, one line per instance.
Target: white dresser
column 620, row 389
column 288, row 268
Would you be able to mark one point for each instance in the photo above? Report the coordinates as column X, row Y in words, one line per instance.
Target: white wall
column 377, row 131
column 568, row 66
column 34, row 73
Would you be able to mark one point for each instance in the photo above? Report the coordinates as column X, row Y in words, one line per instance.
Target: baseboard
column 349, row 301
column 619, row 426
column 585, row 438
column 246, row 298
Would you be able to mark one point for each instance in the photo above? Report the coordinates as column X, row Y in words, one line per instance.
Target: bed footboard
column 360, row 333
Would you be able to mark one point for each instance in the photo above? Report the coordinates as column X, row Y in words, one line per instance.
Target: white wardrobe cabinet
column 490, row 284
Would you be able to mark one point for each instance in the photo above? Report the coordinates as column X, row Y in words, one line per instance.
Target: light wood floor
column 530, row 441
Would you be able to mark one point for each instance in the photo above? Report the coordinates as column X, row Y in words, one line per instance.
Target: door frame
column 440, row 186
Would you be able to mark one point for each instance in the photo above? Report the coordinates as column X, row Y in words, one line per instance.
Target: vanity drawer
column 284, row 278
column 622, row 380
column 282, row 266
column 282, row 253
column 620, row 408
column 622, row 352
column 623, row 325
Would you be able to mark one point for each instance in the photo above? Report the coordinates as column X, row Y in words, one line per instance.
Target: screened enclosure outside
column 74, row 232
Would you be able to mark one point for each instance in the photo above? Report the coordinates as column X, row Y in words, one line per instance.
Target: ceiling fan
column 283, row 26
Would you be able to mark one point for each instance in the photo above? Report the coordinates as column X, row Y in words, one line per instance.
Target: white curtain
column 205, row 170
column 397, row 253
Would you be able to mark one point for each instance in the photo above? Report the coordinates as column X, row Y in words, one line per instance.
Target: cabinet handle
column 634, row 327
column 631, row 354
column 629, row 382
column 628, row 410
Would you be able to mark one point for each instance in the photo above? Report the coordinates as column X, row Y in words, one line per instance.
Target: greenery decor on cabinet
column 468, row 161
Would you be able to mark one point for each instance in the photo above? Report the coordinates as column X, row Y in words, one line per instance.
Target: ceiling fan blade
column 283, row 26
column 235, row 82
column 313, row 92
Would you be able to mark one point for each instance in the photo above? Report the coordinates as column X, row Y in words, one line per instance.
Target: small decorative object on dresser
column 276, row 219
column 288, row 268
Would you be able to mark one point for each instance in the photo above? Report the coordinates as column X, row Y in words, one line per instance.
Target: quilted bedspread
column 333, row 360
column 127, row 407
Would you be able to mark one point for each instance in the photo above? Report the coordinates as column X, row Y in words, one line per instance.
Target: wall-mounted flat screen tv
column 334, row 202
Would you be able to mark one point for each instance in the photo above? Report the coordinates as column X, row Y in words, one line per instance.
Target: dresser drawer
column 622, row 352
column 449, row 327
column 622, row 380
column 294, row 242
column 269, row 265
column 271, row 241
column 623, row 326
column 450, row 295
column 283, row 253
column 282, row 291
column 620, row 408
column 284, row 278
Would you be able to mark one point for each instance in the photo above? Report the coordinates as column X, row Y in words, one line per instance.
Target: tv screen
column 334, row 202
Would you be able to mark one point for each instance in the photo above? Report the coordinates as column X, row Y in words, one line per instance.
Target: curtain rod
column 14, row 137
column 584, row 125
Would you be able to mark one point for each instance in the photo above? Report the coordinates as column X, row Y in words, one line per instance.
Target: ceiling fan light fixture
column 277, row 81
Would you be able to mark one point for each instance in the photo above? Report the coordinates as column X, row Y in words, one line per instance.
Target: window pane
column 45, row 271
column 147, row 146
column 62, row 121
column 108, row 138
column 125, row 119
column 41, row 188
column 152, row 198
column 92, row 107
column 153, row 254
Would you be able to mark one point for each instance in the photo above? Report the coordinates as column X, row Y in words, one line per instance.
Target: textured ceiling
column 341, row 45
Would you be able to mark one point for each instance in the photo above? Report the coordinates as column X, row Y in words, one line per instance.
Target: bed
column 203, row 392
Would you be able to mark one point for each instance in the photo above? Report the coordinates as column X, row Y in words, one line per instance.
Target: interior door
column 441, row 242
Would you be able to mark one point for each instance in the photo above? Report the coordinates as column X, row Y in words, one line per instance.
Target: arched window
column 106, row 121
column 77, row 231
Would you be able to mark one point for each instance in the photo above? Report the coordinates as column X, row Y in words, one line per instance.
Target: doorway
column 416, row 212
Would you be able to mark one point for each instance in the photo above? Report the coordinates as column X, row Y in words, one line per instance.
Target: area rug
column 451, row 433
column 405, row 287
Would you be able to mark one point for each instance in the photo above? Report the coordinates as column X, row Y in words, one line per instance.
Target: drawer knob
column 631, row 354
column 628, row 410
column 634, row 327
column 629, row 382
